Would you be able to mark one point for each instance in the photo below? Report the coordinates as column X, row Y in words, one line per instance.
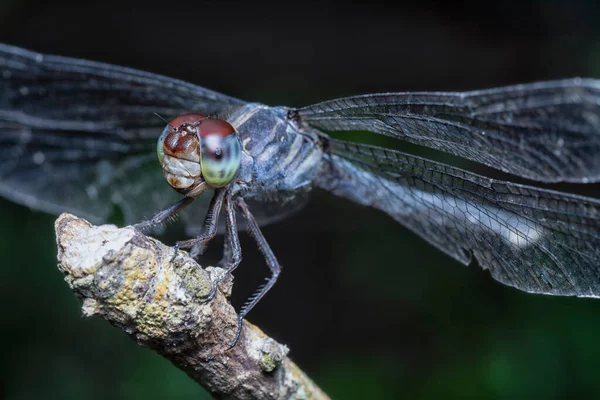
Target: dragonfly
column 84, row 137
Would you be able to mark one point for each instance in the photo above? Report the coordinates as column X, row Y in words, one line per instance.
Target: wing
column 533, row 239
column 80, row 136
column 545, row 131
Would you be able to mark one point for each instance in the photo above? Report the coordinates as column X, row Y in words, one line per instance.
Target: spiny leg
column 210, row 223
column 173, row 210
column 233, row 250
column 225, row 261
column 271, row 260
column 165, row 214
column 232, row 253
column 200, row 248
column 197, row 251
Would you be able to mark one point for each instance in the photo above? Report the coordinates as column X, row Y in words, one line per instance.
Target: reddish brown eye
column 186, row 119
column 215, row 127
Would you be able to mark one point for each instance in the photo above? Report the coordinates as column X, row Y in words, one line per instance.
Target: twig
column 130, row 280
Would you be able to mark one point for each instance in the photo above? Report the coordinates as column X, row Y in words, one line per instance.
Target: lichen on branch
column 132, row 281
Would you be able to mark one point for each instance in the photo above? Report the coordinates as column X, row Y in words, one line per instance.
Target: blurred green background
column 368, row 309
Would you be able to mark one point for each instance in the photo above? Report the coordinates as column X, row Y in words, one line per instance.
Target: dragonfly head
column 196, row 150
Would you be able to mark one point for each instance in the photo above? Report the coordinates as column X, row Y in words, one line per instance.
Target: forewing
column 533, row 239
column 80, row 136
column 545, row 131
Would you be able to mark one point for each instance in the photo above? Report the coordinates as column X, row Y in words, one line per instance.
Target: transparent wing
column 80, row 136
column 533, row 239
column 545, row 131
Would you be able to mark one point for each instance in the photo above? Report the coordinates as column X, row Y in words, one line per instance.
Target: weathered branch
column 130, row 280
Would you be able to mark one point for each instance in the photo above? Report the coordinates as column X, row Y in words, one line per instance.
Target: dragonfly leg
column 227, row 255
column 165, row 214
column 197, row 250
column 233, row 251
column 200, row 248
column 271, row 260
column 210, row 224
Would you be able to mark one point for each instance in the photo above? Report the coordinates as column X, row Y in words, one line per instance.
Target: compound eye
column 160, row 145
column 191, row 119
column 220, row 152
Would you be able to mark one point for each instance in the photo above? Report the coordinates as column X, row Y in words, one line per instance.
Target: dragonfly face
column 90, row 129
column 197, row 152
column 178, row 151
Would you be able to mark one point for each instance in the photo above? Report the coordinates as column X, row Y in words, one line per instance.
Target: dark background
column 368, row 309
